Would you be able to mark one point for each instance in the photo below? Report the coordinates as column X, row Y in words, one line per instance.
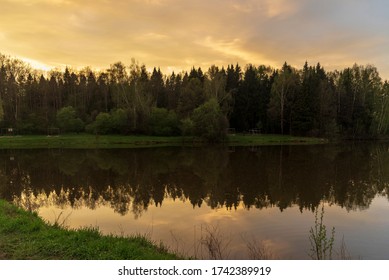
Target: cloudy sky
column 179, row 34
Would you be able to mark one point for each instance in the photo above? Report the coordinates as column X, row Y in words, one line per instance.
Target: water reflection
column 129, row 181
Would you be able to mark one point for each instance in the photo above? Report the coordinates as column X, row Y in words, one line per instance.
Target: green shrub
column 67, row 120
column 163, row 122
column 102, row 124
column 209, row 122
column 187, row 127
column 119, row 121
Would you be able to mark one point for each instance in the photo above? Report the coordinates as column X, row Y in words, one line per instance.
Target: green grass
column 23, row 235
column 271, row 139
column 88, row 141
column 85, row 141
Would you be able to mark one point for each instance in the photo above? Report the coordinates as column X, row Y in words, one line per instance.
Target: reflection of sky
column 181, row 226
column 366, row 233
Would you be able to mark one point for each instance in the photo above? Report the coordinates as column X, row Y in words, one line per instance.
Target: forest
column 352, row 103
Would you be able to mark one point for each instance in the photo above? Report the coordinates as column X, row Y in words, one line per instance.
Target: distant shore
column 89, row 141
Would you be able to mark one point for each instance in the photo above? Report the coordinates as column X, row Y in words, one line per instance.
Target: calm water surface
column 264, row 194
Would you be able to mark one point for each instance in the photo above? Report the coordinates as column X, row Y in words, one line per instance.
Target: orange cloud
column 181, row 34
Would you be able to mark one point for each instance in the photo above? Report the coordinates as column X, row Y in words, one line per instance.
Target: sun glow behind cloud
column 36, row 64
column 176, row 34
column 234, row 49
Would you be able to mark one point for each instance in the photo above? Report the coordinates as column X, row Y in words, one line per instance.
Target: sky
column 179, row 34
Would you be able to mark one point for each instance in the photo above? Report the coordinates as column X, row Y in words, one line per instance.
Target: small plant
column 215, row 243
column 178, row 245
column 321, row 243
column 57, row 220
column 258, row 250
column 343, row 251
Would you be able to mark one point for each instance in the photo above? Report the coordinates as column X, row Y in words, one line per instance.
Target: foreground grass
column 88, row 141
column 23, row 235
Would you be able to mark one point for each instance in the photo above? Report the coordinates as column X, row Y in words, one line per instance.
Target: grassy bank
column 88, row 141
column 271, row 139
column 23, row 235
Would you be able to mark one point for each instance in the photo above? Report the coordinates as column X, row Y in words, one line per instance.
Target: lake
column 190, row 198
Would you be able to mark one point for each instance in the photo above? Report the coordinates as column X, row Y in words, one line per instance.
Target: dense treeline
column 352, row 103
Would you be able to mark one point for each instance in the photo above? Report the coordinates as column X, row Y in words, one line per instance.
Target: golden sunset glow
column 176, row 35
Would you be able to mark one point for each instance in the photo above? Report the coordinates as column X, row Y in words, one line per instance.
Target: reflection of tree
column 353, row 186
column 379, row 174
column 69, row 164
column 131, row 180
column 119, row 199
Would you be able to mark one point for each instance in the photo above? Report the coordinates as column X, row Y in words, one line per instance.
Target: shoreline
column 25, row 236
column 89, row 141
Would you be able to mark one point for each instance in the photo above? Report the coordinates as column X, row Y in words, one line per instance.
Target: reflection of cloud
column 285, row 234
column 218, row 215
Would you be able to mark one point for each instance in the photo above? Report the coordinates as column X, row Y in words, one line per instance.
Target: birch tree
column 282, row 91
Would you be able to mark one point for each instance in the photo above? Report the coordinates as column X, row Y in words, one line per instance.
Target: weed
column 60, row 224
column 178, row 245
column 258, row 250
column 321, row 243
column 215, row 243
column 343, row 253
